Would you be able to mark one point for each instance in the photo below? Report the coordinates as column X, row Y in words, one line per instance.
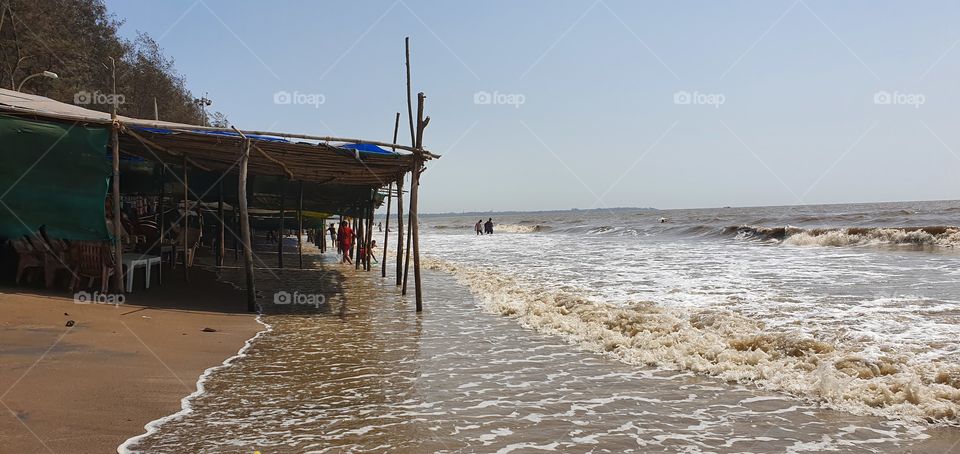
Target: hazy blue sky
column 789, row 101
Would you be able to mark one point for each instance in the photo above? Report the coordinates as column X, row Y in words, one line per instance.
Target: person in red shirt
column 346, row 241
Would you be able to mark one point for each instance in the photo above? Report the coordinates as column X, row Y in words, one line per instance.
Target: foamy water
column 606, row 332
column 862, row 319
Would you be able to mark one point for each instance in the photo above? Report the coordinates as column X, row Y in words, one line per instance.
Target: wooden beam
column 245, row 226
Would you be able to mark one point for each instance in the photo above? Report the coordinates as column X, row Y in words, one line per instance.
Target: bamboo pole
column 283, row 194
column 222, row 228
column 369, row 255
column 414, row 191
column 400, row 231
column 245, row 227
column 386, row 230
column 413, row 138
column 186, row 221
column 117, row 224
column 358, row 235
column 300, row 224
column 161, row 222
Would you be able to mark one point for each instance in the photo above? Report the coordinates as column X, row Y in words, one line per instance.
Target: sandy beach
column 95, row 384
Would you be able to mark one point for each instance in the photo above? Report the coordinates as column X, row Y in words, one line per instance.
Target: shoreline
column 185, row 408
column 118, row 369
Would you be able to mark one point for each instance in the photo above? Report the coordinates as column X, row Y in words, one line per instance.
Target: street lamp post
column 49, row 74
column 203, row 103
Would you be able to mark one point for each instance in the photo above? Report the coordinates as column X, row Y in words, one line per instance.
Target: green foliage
column 76, row 39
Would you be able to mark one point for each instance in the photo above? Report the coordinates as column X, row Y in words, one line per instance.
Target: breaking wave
column 839, row 374
column 939, row 236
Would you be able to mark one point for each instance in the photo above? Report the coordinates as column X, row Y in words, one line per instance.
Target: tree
column 76, row 39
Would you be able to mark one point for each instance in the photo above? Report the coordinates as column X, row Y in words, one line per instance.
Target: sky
column 543, row 105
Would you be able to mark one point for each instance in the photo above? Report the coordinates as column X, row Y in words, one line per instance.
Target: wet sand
column 364, row 373
column 89, row 387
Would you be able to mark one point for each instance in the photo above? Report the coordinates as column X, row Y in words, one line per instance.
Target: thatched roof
column 312, row 159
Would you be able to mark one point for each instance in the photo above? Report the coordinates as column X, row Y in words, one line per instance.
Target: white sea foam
column 839, row 374
column 152, row 427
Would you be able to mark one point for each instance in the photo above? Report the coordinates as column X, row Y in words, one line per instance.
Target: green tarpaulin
column 54, row 175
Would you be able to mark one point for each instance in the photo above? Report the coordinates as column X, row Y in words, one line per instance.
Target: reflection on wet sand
column 365, row 373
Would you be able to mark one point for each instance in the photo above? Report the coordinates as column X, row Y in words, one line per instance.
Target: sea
column 831, row 328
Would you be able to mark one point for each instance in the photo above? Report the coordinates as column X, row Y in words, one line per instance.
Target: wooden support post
column 386, row 229
column 414, row 190
column 283, row 193
column 358, row 232
column 236, row 223
column 221, row 229
column 406, row 260
column 117, row 225
column 369, row 255
column 245, row 227
column 386, row 232
column 400, row 231
column 161, row 218
column 186, row 221
column 300, row 224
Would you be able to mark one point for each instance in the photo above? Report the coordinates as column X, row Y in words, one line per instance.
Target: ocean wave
column 520, row 228
column 938, row 236
column 723, row 344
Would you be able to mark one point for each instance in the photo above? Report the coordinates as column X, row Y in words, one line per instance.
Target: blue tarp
column 366, row 148
column 361, row 147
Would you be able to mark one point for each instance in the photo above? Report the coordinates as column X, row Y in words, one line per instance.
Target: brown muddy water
column 364, row 373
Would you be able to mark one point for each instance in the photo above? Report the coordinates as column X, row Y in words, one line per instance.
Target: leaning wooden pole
column 414, row 191
column 117, row 224
column 300, row 224
column 386, row 229
column 413, row 137
column 245, row 226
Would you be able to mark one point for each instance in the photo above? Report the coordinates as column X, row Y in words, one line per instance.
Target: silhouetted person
column 479, row 227
column 488, row 226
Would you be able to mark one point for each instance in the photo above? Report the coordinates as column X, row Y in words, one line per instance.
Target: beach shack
column 96, row 195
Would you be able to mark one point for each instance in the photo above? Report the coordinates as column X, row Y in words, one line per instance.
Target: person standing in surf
column 346, row 242
column 479, row 227
column 488, row 226
column 333, row 236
